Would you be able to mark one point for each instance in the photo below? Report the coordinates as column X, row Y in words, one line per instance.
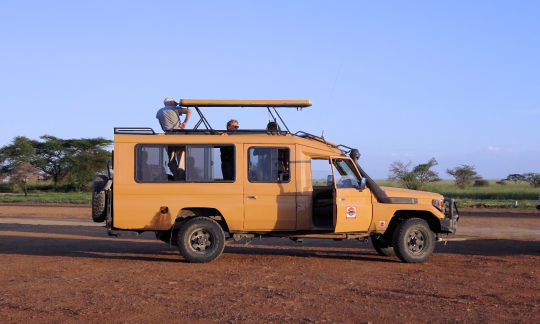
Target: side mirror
column 362, row 184
column 330, row 180
column 354, row 154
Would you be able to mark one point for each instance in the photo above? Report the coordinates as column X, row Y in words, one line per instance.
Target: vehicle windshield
column 345, row 174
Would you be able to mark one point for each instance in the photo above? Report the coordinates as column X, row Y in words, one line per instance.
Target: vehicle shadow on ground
column 154, row 251
column 94, row 243
column 360, row 255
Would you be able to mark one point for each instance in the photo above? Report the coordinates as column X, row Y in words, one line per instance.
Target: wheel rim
column 200, row 240
column 416, row 241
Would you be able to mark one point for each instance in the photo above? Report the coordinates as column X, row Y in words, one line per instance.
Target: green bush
column 49, row 187
column 6, row 187
column 481, row 183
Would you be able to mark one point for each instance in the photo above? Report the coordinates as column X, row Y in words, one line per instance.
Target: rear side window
column 268, row 164
column 184, row 163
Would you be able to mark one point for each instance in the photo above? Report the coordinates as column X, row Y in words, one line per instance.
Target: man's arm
column 187, row 112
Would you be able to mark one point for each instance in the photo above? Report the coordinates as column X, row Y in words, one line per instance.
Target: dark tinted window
column 205, row 163
column 268, row 164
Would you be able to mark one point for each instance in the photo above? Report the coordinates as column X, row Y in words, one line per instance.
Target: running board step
column 117, row 233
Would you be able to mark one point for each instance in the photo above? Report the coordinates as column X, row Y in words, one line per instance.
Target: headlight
column 438, row 203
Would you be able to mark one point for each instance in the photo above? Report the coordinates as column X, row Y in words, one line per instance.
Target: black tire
column 382, row 247
column 99, row 212
column 200, row 239
column 413, row 240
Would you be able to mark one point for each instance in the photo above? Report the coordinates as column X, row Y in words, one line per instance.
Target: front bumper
column 451, row 216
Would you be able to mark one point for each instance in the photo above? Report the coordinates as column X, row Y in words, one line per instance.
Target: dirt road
column 68, row 272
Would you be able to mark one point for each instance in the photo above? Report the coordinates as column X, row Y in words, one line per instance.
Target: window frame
column 352, row 167
column 138, row 147
column 269, row 147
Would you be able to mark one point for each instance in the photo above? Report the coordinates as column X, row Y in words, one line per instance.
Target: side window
column 178, row 163
column 345, row 175
column 150, row 162
column 268, row 164
column 321, row 173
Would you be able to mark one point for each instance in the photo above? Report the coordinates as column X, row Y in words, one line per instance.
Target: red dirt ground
column 68, row 273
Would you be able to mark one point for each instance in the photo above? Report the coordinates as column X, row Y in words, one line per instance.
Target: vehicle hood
column 400, row 192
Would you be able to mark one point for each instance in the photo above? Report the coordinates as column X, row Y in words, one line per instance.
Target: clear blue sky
column 401, row 80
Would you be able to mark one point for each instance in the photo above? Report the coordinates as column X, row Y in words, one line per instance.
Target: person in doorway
column 232, row 125
column 227, row 153
column 169, row 116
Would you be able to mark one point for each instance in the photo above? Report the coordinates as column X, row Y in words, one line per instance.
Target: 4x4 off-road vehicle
column 198, row 188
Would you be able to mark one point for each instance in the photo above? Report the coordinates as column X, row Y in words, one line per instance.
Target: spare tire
column 99, row 212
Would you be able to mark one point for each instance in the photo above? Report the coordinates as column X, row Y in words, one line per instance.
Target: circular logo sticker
column 351, row 212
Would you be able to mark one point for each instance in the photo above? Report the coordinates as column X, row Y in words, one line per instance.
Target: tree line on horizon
column 71, row 162
column 464, row 175
column 74, row 162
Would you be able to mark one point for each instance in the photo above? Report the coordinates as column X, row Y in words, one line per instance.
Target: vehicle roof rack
column 270, row 105
column 224, row 131
column 149, row 131
column 134, row 130
column 343, row 148
column 244, row 103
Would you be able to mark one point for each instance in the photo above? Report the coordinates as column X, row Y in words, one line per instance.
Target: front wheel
column 201, row 239
column 413, row 240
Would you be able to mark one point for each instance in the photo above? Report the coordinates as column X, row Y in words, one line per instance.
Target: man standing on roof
column 169, row 116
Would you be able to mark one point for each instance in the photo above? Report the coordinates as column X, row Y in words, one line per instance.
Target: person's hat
column 168, row 101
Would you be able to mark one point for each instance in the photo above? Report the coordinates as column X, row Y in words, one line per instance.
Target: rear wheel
column 99, row 212
column 382, row 247
column 201, row 239
column 413, row 240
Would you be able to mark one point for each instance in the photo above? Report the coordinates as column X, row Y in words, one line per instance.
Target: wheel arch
column 212, row 213
column 401, row 215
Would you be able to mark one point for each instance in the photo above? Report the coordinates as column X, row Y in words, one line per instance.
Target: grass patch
column 492, row 203
column 49, row 197
column 490, row 195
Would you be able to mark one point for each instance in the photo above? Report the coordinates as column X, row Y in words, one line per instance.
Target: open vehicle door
column 352, row 199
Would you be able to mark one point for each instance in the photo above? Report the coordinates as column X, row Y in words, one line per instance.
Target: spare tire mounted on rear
column 99, row 211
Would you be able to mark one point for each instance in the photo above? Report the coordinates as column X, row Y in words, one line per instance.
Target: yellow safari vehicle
column 198, row 188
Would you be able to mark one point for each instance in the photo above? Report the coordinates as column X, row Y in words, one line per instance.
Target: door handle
column 341, row 199
column 252, row 197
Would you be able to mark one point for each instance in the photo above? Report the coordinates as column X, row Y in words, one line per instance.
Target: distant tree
column 15, row 162
column 22, row 175
column 516, row 178
column 533, row 179
column 464, row 175
column 75, row 160
column 424, row 173
column 20, row 151
column 86, row 157
column 52, row 157
column 415, row 178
